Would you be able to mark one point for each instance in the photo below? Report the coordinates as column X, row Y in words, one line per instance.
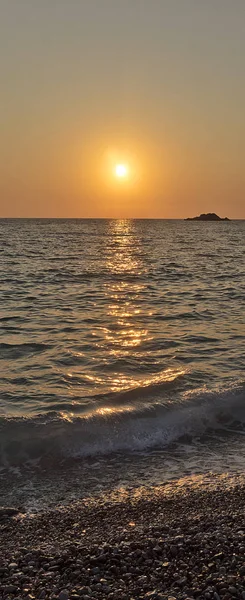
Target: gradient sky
column 158, row 84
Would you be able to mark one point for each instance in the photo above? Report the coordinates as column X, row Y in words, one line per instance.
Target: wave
column 122, row 427
column 19, row 350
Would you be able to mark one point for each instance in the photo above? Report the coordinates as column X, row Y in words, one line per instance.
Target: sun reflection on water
column 124, row 259
column 121, row 336
column 126, row 332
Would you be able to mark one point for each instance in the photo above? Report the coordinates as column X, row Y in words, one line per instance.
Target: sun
column 121, row 171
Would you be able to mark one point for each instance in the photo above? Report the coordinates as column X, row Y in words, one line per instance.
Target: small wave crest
column 14, row 351
column 121, row 428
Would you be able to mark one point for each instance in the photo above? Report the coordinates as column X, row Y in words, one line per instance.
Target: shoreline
column 180, row 540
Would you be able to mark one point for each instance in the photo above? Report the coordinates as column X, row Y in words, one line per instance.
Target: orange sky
column 156, row 85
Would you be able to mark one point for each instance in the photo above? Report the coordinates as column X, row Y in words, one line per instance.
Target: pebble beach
column 185, row 540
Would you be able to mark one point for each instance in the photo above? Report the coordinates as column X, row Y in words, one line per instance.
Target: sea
column 122, row 355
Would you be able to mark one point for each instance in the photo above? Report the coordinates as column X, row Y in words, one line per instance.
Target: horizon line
column 117, row 219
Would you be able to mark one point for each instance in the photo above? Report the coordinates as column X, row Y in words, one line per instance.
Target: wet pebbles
column 155, row 546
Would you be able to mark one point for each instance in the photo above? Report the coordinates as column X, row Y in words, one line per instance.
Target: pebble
column 64, row 595
column 8, row 512
column 10, row 589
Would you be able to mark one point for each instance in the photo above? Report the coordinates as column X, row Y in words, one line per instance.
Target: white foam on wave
column 129, row 429
column 160, row 425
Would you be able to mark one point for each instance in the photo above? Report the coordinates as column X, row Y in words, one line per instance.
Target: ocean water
column 122, row 349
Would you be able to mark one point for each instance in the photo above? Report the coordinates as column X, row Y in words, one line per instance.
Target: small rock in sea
column 64, row 595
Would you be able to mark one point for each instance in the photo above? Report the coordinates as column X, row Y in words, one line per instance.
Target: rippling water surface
column 119, row 336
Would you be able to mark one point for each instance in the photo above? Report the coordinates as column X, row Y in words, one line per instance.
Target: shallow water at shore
column 37, row 487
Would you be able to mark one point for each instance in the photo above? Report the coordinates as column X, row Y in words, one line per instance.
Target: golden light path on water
column 124, row 334
column 125, row 260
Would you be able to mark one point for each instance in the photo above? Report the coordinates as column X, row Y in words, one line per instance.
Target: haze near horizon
column 122, row 109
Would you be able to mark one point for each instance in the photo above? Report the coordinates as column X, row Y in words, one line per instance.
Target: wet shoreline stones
column 189, row 545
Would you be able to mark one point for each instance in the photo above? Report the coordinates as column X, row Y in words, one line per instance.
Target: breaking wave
column 123, row 427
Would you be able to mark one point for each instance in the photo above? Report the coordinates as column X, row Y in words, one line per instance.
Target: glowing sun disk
column 121, row 170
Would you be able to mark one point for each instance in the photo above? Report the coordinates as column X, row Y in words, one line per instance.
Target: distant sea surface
column 122, row 349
